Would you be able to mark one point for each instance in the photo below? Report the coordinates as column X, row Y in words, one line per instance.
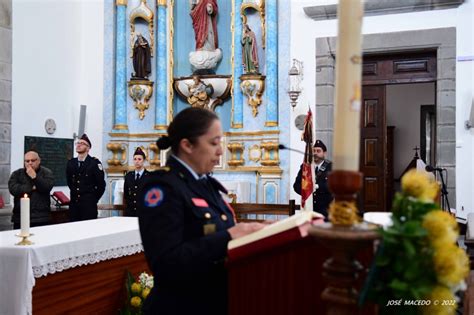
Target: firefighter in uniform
column 185, row 224
column 85, row 178
column 322, row 197
column 133, row 183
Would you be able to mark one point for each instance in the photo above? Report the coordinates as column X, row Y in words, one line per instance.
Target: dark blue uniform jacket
column 131, row 190
column 87, row 185
column 322, row 197
column 183, row 225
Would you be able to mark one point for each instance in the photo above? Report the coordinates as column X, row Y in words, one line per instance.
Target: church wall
column 58, row 62
column 5, row 94
column 459, row 18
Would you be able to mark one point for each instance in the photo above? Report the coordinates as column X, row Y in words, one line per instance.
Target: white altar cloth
column 57, row 248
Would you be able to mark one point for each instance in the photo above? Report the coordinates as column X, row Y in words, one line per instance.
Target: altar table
column 59, row 250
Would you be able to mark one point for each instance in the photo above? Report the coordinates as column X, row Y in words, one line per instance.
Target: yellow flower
column 442, row 302
column 451, row 265
column 419, row 185
column 136, row 288
column 145, row 292
column 136, row 301
column 442, row 228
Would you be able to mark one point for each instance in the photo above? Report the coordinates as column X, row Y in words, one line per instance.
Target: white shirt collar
column 195, row 175
column 139, row 172
column 320, row 164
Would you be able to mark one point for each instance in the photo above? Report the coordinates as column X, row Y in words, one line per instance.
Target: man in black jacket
column 322, row 197
column 85, row 178
column 36, row 181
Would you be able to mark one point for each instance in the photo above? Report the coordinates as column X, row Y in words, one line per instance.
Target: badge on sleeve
column 153, row 197
column 100, row 166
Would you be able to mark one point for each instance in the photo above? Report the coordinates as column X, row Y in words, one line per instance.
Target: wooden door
column 373, row 161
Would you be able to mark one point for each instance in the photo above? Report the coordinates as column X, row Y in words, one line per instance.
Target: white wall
column 57, row 66
column 304, row 32
column 403, row 104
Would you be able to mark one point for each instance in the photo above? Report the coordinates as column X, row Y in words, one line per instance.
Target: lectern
column 285, row 279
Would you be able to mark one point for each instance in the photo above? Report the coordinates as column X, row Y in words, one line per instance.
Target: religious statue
column 199, row 93
column 141, row 58
column 204, row 16
column 249, row 50
column 207, row 54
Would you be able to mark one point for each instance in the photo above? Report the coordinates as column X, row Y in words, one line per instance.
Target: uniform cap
column 320, row 144
column 139, row 151
column 86, row 139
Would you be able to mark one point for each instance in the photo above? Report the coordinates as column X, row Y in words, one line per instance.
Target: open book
column 276, row 234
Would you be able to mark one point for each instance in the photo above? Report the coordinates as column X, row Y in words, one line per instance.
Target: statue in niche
column 207, row 54
column 249, row 50
column 204, row 16
column 141, row 58
column 199, row 93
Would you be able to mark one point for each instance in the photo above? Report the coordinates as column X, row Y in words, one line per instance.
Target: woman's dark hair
column 190, row 124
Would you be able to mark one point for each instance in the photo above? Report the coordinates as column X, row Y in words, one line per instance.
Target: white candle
column 25, row 215
column 348, row 86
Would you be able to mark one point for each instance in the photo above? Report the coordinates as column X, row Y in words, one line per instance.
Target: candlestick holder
column 344, row 237
column 24, row 239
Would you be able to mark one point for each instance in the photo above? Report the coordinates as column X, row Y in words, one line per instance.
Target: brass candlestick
column 344, row 236
column 24, row 239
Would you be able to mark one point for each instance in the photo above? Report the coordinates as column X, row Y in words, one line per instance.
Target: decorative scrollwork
column 237, row 157
column 252, row 87
column 119, row 153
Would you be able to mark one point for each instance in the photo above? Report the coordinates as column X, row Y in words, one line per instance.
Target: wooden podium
column 283, row 280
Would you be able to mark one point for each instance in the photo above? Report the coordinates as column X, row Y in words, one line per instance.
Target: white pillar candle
column 348, row 86
column 25, row 215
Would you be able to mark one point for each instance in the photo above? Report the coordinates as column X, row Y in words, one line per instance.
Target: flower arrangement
column 418, row 267
column 137, row 291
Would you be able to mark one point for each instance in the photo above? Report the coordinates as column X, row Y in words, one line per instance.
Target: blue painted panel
column 270, row 193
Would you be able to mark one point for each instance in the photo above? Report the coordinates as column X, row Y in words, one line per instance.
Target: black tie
column 81, row 163
column 138, row 176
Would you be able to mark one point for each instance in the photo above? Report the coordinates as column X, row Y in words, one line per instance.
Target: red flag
column 307, row 177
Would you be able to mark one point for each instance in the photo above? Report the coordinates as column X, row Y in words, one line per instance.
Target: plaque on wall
column 54, row 153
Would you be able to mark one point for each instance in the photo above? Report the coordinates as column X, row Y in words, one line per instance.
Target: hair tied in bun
column 163, row 142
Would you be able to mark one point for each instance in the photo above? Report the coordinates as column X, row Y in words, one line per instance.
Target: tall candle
column 348, row 86
column 25, row 215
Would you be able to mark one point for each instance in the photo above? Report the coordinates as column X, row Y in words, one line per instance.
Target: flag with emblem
column 307, row 172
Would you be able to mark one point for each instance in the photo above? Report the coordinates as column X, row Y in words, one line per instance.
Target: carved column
column 120, row 113
column 161, row 67
column 237, row 121
column 272, row 64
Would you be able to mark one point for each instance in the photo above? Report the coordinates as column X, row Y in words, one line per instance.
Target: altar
column 69, row 266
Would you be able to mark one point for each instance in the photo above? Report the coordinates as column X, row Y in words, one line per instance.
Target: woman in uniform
column 185, row 224
column 132, row 183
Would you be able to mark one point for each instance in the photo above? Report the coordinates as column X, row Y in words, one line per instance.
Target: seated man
column 321, row 196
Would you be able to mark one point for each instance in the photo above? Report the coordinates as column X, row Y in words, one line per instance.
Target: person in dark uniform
column 185, row 224
column 85, row 178
column 133, row 183
column 322, row 197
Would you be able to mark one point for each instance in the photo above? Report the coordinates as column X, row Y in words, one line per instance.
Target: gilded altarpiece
column 142, row 95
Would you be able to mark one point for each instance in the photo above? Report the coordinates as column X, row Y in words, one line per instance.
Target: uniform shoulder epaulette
column 165, row 169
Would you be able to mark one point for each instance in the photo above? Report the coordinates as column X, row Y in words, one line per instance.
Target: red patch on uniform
column 153, row 197
column 198, row 202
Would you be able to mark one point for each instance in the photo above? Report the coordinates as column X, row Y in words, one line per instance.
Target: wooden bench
column 258, row 212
